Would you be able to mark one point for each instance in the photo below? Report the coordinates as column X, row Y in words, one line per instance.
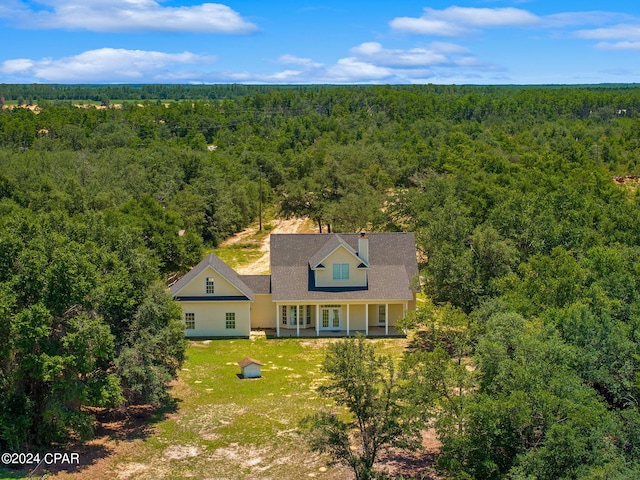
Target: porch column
column 317, row 320
column 405, row 311
column 366, row 319
column 347, row 319
column 278, row 320
column 298, row 320
column 386, row 319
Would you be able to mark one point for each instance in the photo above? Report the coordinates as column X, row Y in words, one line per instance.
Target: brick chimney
column 363, row 247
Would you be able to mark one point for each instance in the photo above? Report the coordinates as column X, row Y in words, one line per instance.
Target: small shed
column 250, row 368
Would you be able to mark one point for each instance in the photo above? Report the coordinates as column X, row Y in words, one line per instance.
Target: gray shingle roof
column 392, row 262
column 219, row 266
column 259, row 284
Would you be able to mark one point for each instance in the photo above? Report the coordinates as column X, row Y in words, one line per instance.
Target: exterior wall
column 357, row 276
column 210, row 318
column 263, row 312
column 356, row 317
column 222, row 287
column 251, row 371
column 396, row 311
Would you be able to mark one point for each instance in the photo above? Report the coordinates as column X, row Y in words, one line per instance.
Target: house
column 320, row 284
column 250, row 368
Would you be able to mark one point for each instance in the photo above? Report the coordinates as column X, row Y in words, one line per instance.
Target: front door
column 330, row 317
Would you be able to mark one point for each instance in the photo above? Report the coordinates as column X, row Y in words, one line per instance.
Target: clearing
column 223, row 427
column 248, row 251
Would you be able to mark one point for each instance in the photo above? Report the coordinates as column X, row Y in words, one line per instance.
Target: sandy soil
column 261, row 265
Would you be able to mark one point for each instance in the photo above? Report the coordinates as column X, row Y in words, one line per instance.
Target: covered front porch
column 373, row 332
column 339, row 319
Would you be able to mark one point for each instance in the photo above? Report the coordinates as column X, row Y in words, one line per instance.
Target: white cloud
column 425, row 26
column 620, row 32
column 371, row 62
column 352, row 70
column 456, row 21
column 130, row 15
column 104, row 65
column 415, row 57
column 618, row 46
column 446, row 47
column 293, row 60
column 567, row 19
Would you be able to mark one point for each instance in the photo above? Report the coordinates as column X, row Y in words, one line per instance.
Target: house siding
column 210, row 318
column 357, row 276
column 263, row 312
column 222, row 286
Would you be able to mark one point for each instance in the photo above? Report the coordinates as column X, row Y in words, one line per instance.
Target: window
column 341, row 271
column 308, row 314
column 230, row 320
column 293, row 315
column 210, row 285
column 190, row 321
column 382, row 313
column 284, row 315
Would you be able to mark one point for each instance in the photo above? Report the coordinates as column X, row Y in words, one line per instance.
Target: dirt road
column 261, row 265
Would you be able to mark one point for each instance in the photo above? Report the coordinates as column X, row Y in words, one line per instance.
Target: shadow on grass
column 415, row 465
column 111, row 427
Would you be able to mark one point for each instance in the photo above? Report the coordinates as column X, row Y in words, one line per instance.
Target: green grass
column 238, row 254
column 236, row 428
column 228, row 427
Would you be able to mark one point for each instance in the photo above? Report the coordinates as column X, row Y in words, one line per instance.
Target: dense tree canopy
column 529, row 248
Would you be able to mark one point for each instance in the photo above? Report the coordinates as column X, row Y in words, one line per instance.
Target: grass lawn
column 238, row 254
column 225, row 427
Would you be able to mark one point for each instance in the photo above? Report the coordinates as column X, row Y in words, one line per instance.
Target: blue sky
column 320, row 41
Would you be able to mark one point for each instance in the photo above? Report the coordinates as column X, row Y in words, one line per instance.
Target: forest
column 524, row 202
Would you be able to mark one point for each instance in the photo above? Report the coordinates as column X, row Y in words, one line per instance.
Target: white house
column 319, row 283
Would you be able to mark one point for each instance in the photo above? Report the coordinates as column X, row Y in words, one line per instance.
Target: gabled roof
column 331, row 245
column 248, row 361
column 214, row 262
column 392, row 267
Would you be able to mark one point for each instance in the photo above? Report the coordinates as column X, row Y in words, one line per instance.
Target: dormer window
column 341, row 271
column 210, row 285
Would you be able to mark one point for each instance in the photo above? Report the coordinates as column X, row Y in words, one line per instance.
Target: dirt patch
column 420, row 464
column 262, row 242
column 132, row 470
column 118, row 433
column 180, row 452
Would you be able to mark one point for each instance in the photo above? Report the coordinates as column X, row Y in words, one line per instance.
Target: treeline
column 30, row 94
column 530, row 250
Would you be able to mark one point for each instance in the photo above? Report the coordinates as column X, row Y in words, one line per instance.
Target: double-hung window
column 189, row 321
column 230, row 320
column 341, row 271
